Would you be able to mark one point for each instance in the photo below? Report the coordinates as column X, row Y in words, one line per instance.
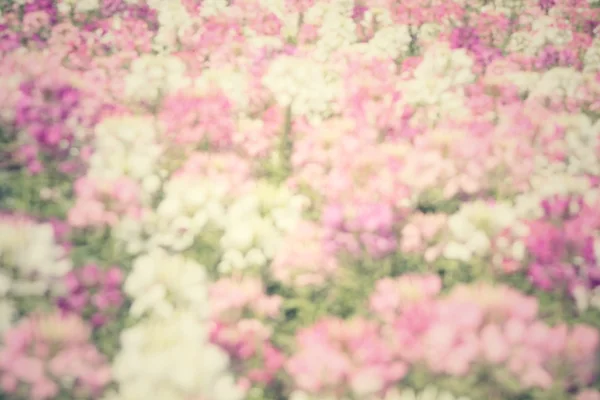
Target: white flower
column 367, row 383
column 188, row 208
column 439, row 81
column 309, row 87
column 255, row 257
column 460, row 226
column 337, row 31
column 151, row 183
column 457, row 251
column 5, row 283
column 125, row 146
column 153, row 76
column 517, row 250
column 213, row 7
column 591, row 60
column 559, row 81
column 29, row 250
column 479, row 243
column 25, row 288
column 159, row 283
column 172, row 357
column 238, row 237
column 390, row 42
column 520, row 41
column 429, row 32
column 232, row 260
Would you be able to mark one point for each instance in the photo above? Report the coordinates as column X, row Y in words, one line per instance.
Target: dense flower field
column 299, row 199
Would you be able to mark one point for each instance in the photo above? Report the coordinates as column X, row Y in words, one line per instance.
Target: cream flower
column 160, row 283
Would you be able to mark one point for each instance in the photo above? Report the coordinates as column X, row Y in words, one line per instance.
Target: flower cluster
column 350, row 357
column 480, row 325
column 171, row 308
column 238, row 308
column 299, row 199
column 93, row 293
column 33, row 263
column 45, row 355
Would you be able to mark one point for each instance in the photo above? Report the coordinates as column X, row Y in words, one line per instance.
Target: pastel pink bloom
column 515, row 331
column 494, row 346
column 588, row 395
column 44, row 390
column 537, row 377
column 299, row 5
column 302, row 261
column 126, row 191
column 28, row 369
column 85, row 188
column 308, row 34
column 268, row 306
column 9, row 383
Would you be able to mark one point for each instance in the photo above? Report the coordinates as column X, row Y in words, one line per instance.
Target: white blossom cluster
column 167, row 354
column 255, row 225
column 591, row 60
column 189, row 207
column 310, row 88
column 153, row 76
column 337, row 29
column 213, row 7
column 558, row 82
column 126, row 146
column 173, row 20
column 161, row 283
column 248, row 230
column 546, row 32
column 290, row 20
column 472, row 227
column 172, row 359
column 584, row 298
column 581, row 141
column 428, row 33
column 7, row 306
column 521, row 42
column 31, row 264
column 378, row 15
column 439, row 80
column 390, row 42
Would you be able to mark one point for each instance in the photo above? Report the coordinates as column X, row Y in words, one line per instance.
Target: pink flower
column 494, row 346
column 44, row 390
column 90, row 275
column 588, row 395
column 9, row 383
column 57, row 349
column 113, row 277
column 28, row 369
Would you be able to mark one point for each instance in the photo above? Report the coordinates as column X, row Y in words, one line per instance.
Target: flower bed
column 299, row 200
